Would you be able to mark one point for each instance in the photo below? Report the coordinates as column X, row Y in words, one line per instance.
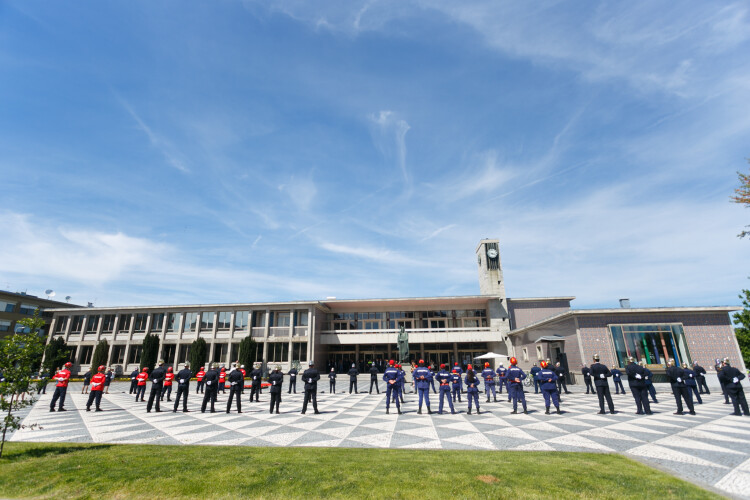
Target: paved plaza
column 711, row 448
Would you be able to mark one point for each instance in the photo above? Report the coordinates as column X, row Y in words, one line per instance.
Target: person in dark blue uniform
column 310, row 377
column 547, row 380
column 422, row 378
column 676, row 377
column 561, row 373
column 432, row 378
column 236, row 383
column 718, row 367
column 600, row 373
column 392, row 379
column 700, row 378
column 133, row 381
column 456, row 385
column 86, row 381
column 691, row 383
column 637, row 383
column 488, row 375
column 183, row 387
column 276, row 379
column 502, row 380
column 733, row 383
column 617, row 379
column 293, row 380
column 374, row 372
column 402, row 382
column 444, row 381
column 256, row 381
column 649, row 378
column 534, row 372
column 460, row 371
column 211, row 381
column 472, row 388
column 515, row 378
column 332, row 381
column 586, row 372
column 157, row 384
column 353, row 372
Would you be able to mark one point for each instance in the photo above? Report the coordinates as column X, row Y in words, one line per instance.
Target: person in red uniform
column 199, row 387
column 168, row 378
column 97, row 386
column 62, row 377
column 244, row 374
column 222, row 381
column 142, row 378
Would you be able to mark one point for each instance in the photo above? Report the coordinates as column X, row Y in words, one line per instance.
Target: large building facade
column 15, row 306
column 337, row 333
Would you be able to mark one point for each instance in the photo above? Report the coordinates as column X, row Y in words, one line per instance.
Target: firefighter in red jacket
column 199, row 387
column 168, row 378
column 142, row 378
column 62, row 377
column 222, row 381
column 97, row 386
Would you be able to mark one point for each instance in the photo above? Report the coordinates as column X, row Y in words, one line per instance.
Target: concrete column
column 67, row 328
column 310, row 334
column 109, row 354
column 455, row 351
column 99, row 330
column 292, row 324
column 421, row 351
column 356, row 354
column 266, row 330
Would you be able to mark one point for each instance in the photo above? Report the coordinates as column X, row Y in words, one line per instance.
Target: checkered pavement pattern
column 711, row 448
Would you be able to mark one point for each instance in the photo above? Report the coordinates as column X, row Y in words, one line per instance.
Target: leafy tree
column 248, row 351
column 198, row 354
column 150, row 351
column 18, row 354
column 101, row 353
column 742, row 331
column 742, row 195
column 56, row 354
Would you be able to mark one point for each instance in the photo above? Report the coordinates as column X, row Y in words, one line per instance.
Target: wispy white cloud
column 300, row 190
column 390, row 138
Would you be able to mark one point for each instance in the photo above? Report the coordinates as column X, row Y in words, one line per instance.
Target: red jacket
column 142, row 378
column 97, row 382
column 168, row 378
column 244, row 374
column 62, row 377
column 200, row 375
column 222, row 376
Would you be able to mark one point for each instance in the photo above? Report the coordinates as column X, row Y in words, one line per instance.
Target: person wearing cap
column 637, row 383
column 534, row 376
column 97, row 386
column 201, row 383
column 86, row 382
column 256, row 378
column 617, row 379
column 600, row 372
column 676, row 377
column 700, row 378
column 183, row 388
column 310, row 377
column 586, row 372
column 444, row 380
column 222, row 380
column 550, row 392
column 211, row 379
column 515, row 378
column 392, row 379
column 62, row 377
column 718, row 367
column 422, row 376
column 691, row 383
column 110, row 377
column 649, row 378
column 732, row 381
column 142, row 380
column 157, row 384
column 133, row 381
column 236, row 383
column 488, row 375
column 353, row 372
column 561, row 373
column 293, row 380
column 402, row 382
column 332, row 381
column 502, row 379
column 374, row 372
column 456, row 385
column 276, row 379
column 472, row 388
column 460, row 371
column 168, row 378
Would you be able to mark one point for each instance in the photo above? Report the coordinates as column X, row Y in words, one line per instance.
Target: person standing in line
column 561, row 373
column 649, row 381
column 676, row 377
column 392, row 379
column 244, row 375
column 456, row 385
column 256, row 379
column 432, row 378
column 211, row 379
column 402, row 382
column 460, row 371
column 700, row 378
column 142, row 380
column 374, row 372
column 617, row 379
column 110, row 378
column 444, row 381
column 157, row 384
column 600, row 372
column 183, row 388
column 691, row 383
column 236, row 383
column 332, row 381
column 515, row 377
column 534, row 376
column 168, row 378
column 293, row 380
column 472, row 388
column 733, row 383
column 547, row 379
column 502, row 379
column 637, row 383
column 222, row 380
column 201, row 384
column 353, row 372
column 422, row 377
column 276, row 379
column 61, row 388
column 43, row 382
column 97, row 385
column 488, row 375
column 718, row 367
column 310, row 377
column 133, row 381
column 86, row 382
column 586, row 372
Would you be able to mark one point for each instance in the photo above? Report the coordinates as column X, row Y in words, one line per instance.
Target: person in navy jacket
column 534, row 375
column 472, row 387
column 502, row 380
column 422, row 376
column 600, row 373
column 691, row 382
column 617, row 379
column 515, row 378
column 392, row 379
column 488, row 375
column 456, row 385
column 547, row 380
column 444, row 380
column 586, row 372
column 332, row 381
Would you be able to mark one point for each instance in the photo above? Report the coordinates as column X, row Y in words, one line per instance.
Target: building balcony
column 258, row 332
column 301, row 331
column 278, row 331
column 416, row 335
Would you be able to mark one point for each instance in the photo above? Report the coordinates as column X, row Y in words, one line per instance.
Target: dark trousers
column 432, row 385
column 199, row 387
column 640, row 394
column 724, row 391
column 209, row 396
column 445, row 392
column 652, row 392
column 694, row 390
column 456, row 391
column 59, row 393
column 490, row 388
column 391, row 391
column 702, row 386
column 140, row 391
column 44, row 387
column 681, row 393
column 168, row 392
column 424, row 395
column 603, row 392
column 275, row 401
column 536, row 386
column 293, row 385
column 551, row 396
column 739, row 401
column 133, row 386
column 562, row 386
column 234, row 392
column 332, row 386
column 589, row 385
column 472, row 394
column 222, row 387
column 154, row 395
column 310, row 395
column 182, row 391
column 516, row 392
column 94, row 396
column 619, row 387
column 255, row 391
column 353, row 385
column 374, row 382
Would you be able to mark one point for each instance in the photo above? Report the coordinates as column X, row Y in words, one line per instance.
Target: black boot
column 387, row 411
column 469, row 412
column 546, row 412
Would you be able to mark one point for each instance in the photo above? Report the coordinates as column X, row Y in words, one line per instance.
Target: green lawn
column 102, row 471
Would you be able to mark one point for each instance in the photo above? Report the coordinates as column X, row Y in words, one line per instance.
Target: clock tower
column 490, row 270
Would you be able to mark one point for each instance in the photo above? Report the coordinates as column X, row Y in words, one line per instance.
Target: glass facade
column 240, row 320
column 8, row 307
column 108, row 323
column 76, row 324
column 393, row 320
column 173, row 322
column 655, row 343
column 62, row 323
column 124, row 324
column 207, row 321
column 157, row 322
column 224, row 320
column 92, row 323
column 191, row 322
column 140, row 322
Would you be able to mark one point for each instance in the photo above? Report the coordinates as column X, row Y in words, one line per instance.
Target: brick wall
column 526, row 312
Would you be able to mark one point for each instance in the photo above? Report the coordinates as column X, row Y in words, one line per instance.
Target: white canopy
column 491, row 355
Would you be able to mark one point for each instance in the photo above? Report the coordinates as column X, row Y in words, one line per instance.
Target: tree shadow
column 47, row 451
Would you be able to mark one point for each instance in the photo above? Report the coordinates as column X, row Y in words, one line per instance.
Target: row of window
column 180, row 322
column 27, row 309
column 393, row 320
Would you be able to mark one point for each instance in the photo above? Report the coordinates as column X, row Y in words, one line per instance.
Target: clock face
column 491, row 253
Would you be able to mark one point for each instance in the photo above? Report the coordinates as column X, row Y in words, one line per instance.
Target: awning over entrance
column 491, row 355
column 550, row 338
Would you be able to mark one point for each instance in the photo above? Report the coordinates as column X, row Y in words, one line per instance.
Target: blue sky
column 201, row 152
